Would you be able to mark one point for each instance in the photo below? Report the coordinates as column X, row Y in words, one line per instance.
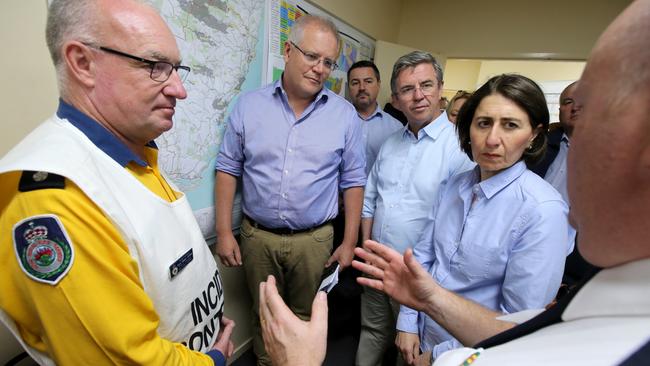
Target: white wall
column 507, row 29
column 28, row 92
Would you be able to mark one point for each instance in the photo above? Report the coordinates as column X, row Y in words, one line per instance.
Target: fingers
column 227, row 322
column 415, row 351
column 236, row 256
column 385, row 252
column 413, row 265
column 231, row 260
column 275, row 305
column 371, row 257
column 319, row 312
column 370, row 282
column 223, row 339
column 368, row 269
column 231, row 349
column 331, row 260
column 228, row 251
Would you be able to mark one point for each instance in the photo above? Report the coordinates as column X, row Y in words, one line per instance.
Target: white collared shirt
column 607, row 320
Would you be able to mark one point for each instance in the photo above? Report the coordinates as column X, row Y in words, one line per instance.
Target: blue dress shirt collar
column 495, row 184
column 278, row 89
column 433, row 129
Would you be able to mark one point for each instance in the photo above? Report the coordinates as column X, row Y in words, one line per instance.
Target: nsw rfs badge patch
column 43, row 248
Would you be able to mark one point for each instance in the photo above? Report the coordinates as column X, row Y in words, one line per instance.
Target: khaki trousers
column 296, row 261
column 378, row 319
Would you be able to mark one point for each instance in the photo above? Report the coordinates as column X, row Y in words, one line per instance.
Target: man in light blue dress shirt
column 403, row 185
column 364, row 83
column 295, row 144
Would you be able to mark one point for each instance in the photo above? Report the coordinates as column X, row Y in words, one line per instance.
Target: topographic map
column 222, row 41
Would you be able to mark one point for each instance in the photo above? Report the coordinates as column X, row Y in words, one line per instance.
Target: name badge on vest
column 181, row 263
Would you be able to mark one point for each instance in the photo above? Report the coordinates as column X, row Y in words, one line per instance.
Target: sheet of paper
column 330, row 278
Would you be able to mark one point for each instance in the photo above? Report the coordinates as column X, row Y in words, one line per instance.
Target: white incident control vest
column 177, row 270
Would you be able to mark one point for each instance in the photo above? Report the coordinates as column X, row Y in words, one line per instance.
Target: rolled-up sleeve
column 353, row 158
column 370, row 193
column 231, row 153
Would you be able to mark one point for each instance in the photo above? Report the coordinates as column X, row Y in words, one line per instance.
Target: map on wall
column 223, row 43
column 231, row 46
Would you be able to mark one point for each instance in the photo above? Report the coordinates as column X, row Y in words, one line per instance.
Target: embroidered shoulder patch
column 43, row 248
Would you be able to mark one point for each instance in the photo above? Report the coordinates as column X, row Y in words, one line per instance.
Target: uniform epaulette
column 31, row 181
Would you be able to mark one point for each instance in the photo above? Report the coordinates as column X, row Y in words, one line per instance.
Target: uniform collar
column 100, row 136
column 619, row 291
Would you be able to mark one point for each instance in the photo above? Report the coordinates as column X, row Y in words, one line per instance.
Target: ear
column 287, row 47
column 80, row 61
column 536, row 132
column 394, row 100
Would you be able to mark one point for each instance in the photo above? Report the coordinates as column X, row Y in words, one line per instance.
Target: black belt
column 283, row 230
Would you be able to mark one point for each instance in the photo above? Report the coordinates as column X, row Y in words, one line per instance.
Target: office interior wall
column 470, row 74
column 460, row 75
column 379, row 19
column 28, row 85
column 507, row 29
column 536, row 70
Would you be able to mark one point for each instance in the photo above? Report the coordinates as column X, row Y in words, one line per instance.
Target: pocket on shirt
column 475, row 260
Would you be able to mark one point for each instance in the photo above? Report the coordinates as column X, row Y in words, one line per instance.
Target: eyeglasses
column 314, row 59
column 426, row 88
column 160, row 70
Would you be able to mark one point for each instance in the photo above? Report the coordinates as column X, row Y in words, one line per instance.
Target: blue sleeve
column 353, row 164
column 370, row 192
column 231, row 153
column 218, row 357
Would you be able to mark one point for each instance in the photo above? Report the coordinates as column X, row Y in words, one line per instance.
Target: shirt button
column 284, row 195
column 289, row 150
column 286, row 172
column 282, row 217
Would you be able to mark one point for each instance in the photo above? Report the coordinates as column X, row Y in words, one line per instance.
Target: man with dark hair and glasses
column 295, row 144
column 104, row 261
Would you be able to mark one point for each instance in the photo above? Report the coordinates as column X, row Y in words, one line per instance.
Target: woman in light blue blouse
column 499, row 234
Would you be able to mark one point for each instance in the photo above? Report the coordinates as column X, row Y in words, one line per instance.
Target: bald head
column 569, row 109
column 91, row 22
column 117, row 62
column 609, row 159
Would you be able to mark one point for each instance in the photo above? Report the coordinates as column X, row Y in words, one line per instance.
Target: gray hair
column 411, row 60
column 67, row 20
column 298, row 28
